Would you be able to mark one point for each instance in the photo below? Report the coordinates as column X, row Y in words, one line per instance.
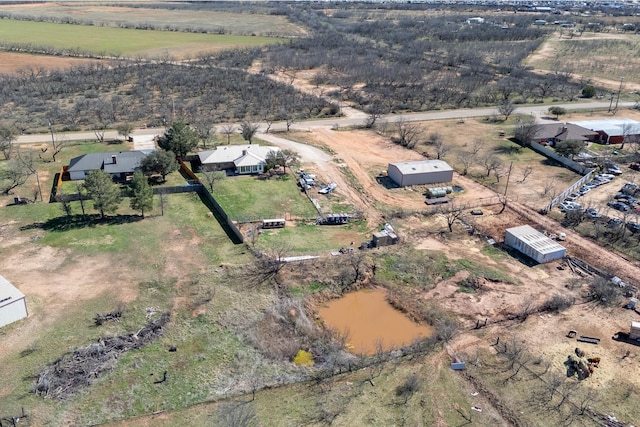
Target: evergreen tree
column 141, row 193
column 104, row 193
column 179, row 138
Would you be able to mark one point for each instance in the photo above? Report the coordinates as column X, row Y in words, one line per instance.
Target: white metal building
column 13, row 305
column 534, row 244
column 420, row 172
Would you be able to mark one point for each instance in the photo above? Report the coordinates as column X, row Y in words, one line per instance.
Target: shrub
column 303, row 358
column 588, row 91
column 557, row 303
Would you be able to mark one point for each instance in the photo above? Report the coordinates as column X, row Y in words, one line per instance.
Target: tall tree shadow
column 71, row 222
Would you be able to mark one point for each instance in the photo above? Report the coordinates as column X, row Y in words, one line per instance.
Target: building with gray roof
column 119, row 165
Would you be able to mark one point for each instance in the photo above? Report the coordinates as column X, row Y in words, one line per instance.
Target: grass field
column 117, row 41
column 599, row 56
column 258, row 23
column 313, row 239
column 246, row 197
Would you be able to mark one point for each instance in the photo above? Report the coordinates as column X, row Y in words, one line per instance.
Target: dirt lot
column 12, row 62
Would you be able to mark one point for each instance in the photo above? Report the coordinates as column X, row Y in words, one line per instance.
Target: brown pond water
column 369, row 319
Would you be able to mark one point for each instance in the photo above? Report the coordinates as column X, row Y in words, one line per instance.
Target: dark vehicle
column 634, row 227
column 614, row 222
column 618, row 206
column 635, row 166
column 591, row 213
column 625, row 198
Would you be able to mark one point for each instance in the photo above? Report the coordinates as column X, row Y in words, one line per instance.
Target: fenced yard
column 249, row 198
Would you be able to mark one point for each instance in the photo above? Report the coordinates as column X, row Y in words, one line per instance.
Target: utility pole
column 611, row 101
column 506, row 187
column 618, row 97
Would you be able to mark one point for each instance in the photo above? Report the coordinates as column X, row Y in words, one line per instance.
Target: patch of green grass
column 415, row 268
column 308, row 239
column 477, row 269
column 108, row 40
column 247, row 197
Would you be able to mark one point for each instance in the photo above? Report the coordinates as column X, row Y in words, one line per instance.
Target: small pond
column 368, row 319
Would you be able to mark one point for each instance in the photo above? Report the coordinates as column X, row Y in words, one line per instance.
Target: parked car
column 618, row 206
column 592, row 184
column 625, row 198
column 572, row 197
column 591, row 213
column 606, row 176
column 328, row 188
column 635, row 166
column 584, row 190
column 569, row 206
column 633, row 226
column 614, row 171
column 614, row 222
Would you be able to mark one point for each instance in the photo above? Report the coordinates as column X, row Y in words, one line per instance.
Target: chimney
column 114, row 159
column 244, row 152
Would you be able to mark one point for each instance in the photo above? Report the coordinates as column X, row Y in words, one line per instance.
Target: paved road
column 356, row 119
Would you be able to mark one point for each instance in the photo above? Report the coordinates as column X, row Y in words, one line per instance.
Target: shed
column 420, row 172
column 634, row 333
column 534, row 244
column 13, row 305
column 384, row 238
column 273, row 223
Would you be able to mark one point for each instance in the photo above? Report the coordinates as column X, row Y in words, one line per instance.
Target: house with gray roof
column 240, row 159
column 552, row 133
column 119, row 165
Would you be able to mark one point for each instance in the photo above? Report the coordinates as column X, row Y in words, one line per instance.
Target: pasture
column 602, row 57
column 259, row 23
column 120, row 42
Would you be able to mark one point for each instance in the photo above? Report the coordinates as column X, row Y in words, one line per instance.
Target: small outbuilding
column 634, row 333
column 534, row 244
column 384, row 238
column 13, row 305
column 420, row 172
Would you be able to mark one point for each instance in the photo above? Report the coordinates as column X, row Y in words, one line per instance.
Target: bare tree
column 228, row 130
column 491, row 163
column 211, row 177
column 506, row 109
column 451, row 212
column 528, row 170
column 628, row 132
column 467, row 160
column 374, row 112
column 248, row 130
column 477, row 145
column 408, row 134
column 203, row 127
column 58, row 143
column 13, row 175
column 526, row 130
column 437, row 141
column 7, row 138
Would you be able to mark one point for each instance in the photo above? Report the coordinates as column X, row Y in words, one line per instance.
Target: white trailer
column 13, row 305
column 534, row 244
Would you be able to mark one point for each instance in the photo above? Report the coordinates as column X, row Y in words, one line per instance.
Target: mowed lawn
column 106, row 40
column 247, row 197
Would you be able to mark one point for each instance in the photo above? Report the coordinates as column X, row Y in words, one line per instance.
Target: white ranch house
column 241, row 159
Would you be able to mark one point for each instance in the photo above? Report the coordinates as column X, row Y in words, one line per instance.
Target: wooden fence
column 570, row 164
